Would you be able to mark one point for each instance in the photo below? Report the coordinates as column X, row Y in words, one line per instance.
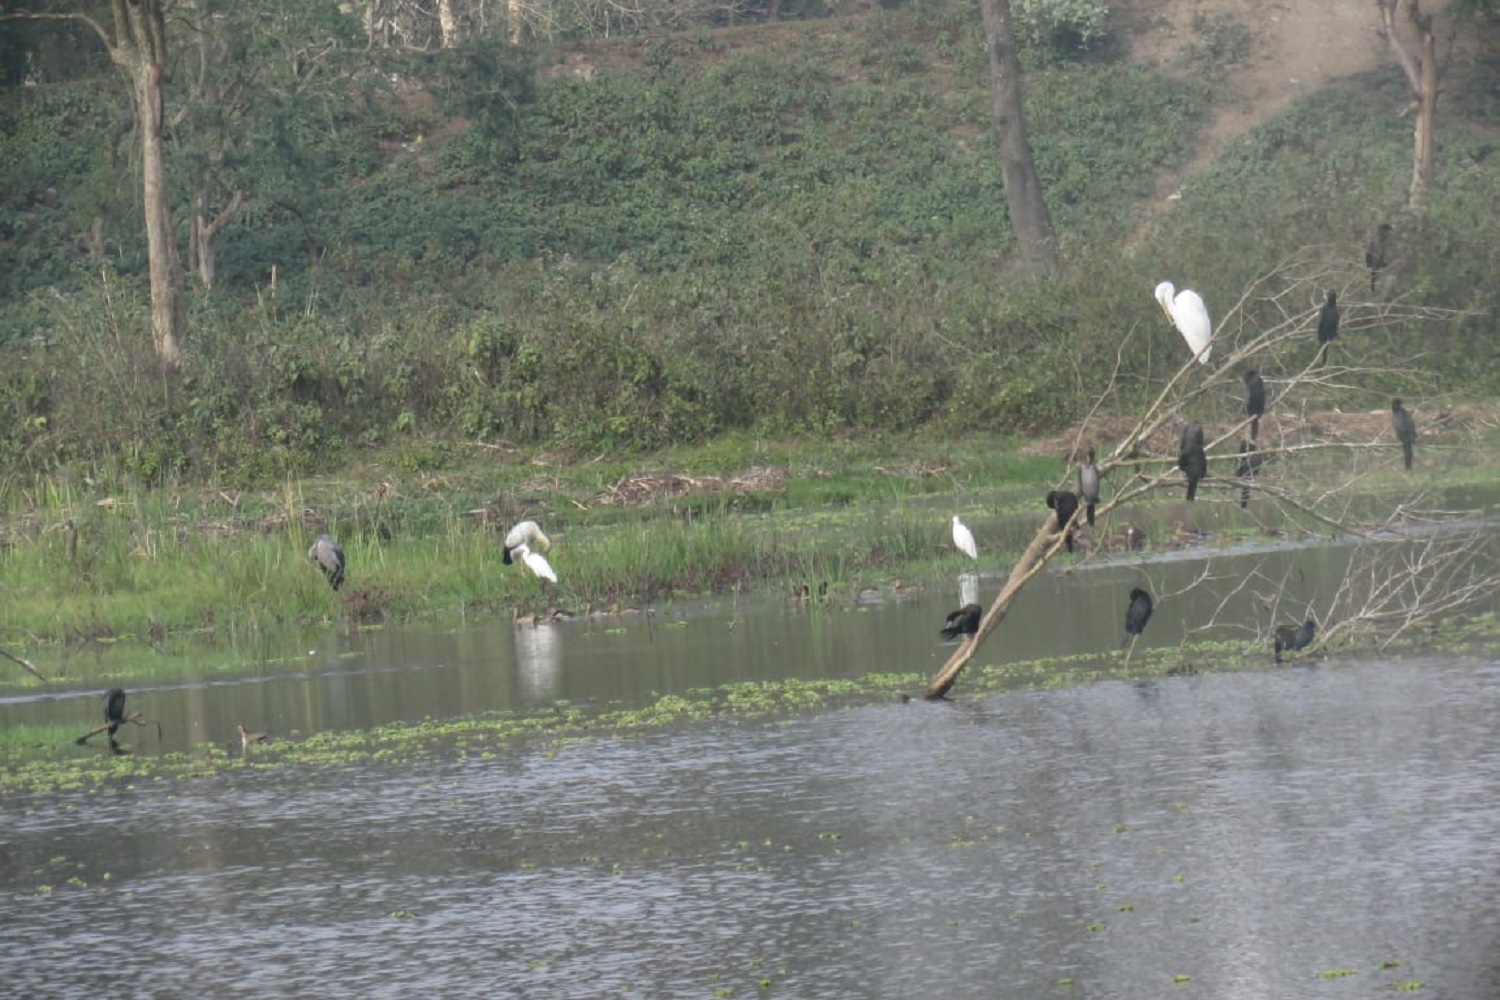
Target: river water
column 1319, row 830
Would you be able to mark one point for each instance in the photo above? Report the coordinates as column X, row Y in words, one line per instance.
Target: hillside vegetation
column 791, row 228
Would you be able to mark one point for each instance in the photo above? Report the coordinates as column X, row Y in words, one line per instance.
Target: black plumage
column 1138, row 613
column 1255, row 400
column 1065, row 503
column 114, row 710
column 1289, row 639
column 1328, row 325
column 1191, row 458
column 1135, row 538
column 1088, row 486
column 1247, row 468
column 964, row 621
column 1376, row 251
column 1406, row 430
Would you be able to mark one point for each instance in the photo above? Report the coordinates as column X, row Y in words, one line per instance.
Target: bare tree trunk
column 1422, row 76
column 520, row 34
column 202, row 248
column 448, row 23
column 1023, row 189
column 144, row 57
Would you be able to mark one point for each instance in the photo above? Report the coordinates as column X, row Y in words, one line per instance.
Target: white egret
column 535, row 561
column 1188, row 313
column 527, row 534
column 964, row 539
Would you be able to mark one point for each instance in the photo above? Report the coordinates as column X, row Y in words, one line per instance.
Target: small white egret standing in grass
column 526, row 542
column 964, row 539
column 1188, row 313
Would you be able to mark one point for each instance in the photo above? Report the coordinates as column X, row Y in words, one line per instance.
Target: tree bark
column 448, row 24
column 1023, row 189
column 1421, row 71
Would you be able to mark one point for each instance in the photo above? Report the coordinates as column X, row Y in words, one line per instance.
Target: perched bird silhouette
column 964, row 539
column 1188, row 313
column 1406, row 430
column 330, row 559
column 1137, row 614
column 1065, row 503
column 1255, row 400
column 114, row 710
column 1247, row 468
column 964, row 621
column 1328, row 323
column 1135, row 538
column 1289, row 639
column 1375, row 251
column 1088, row 486
column 1191, row 458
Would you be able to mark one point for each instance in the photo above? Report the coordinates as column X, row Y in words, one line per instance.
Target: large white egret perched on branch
column 964, row 539
column 527, row 542
column 1188, row 313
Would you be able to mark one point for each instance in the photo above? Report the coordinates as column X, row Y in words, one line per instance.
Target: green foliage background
column 800, row 231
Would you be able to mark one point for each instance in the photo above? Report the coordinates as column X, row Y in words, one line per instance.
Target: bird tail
column 1068, row 539
column 1406, row 454
column 1089, row 512
column 1192, row 490
column 1244, row 497
column 1255, row 428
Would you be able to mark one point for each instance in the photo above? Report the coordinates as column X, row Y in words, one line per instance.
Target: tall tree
column 1023, row 188
column 137, row 43
column 1418, row 58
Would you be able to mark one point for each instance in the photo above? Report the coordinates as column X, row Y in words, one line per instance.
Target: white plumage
column 536, row 562
column 964, row 539
column 1188, row 313
column 526, row 542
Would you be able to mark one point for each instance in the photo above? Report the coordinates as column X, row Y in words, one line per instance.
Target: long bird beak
column 1166, row 311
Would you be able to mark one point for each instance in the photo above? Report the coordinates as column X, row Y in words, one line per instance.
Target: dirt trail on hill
column 1297, row 47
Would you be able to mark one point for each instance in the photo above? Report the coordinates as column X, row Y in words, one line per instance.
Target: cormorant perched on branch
column 1065, row 503
column 1137, row 614
column 330, row 559
column 1088, row 486
column 1328, row 323
column 1247, row 467
column 1255, row 400
column 1289, row 639
column 1375, row 251
column 1406, row 430
column 114, row 710
column 1191, row 458
column 964, row 621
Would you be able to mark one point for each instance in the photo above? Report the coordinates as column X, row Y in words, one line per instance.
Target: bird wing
column 1191, row 318
column 527, row 533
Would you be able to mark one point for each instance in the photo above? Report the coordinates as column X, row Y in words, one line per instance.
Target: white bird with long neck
column 964, row 539
column 527, row 542
column 1188, row 313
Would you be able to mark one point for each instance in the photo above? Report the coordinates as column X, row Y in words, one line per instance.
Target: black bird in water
column 1088, row 486
column 1191, row 458
column 1289, row 639
column 114, row 710
column 1328, row 322
column 1255, row 400
column 1406, row 430
column 1247, row 468
column 1065, row 503
column 964, row 621
column 330, row 559
column 1137, row 614
column 1375, row 251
